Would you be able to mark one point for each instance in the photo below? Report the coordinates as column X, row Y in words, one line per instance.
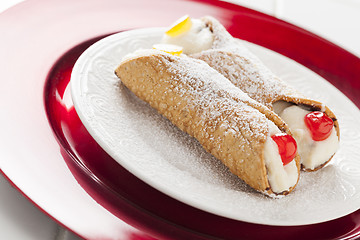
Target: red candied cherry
column 287, row 146
column 319, row 124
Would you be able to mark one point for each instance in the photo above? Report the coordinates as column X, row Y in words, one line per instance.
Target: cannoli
column 313, row 125
column 252, row 141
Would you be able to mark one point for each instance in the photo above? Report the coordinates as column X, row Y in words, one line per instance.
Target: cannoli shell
column 207, row 106
column 234, row 61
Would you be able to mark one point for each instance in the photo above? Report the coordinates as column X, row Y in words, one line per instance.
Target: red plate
column 40, row 49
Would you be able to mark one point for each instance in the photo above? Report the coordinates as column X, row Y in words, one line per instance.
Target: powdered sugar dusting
column 215, row 84
column 232, row 59
column 252, row 79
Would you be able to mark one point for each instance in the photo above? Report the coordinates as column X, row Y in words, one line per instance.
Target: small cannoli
column 252, row 141
column 313, row 125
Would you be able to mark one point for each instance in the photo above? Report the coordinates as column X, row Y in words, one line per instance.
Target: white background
column 335, row 20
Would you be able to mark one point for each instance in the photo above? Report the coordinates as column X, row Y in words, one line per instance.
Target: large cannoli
column 245, row 135
column 314, row 125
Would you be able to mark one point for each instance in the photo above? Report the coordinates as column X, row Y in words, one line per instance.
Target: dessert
column 252, row 141
column 313, row 125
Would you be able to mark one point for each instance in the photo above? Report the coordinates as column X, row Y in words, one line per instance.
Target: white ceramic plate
column 150, row 147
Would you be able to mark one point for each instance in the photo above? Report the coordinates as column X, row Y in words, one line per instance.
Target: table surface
column 335, row 20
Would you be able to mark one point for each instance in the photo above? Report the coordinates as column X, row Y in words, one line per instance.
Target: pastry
column 313, row 125
column 252, row 141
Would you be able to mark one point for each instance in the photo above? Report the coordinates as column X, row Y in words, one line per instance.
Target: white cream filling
column 312, row 153
column 281, row 178
column 197, row 39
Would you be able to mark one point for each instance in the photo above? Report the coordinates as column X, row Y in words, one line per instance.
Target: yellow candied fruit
column 182, row 25
column 169, row 48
